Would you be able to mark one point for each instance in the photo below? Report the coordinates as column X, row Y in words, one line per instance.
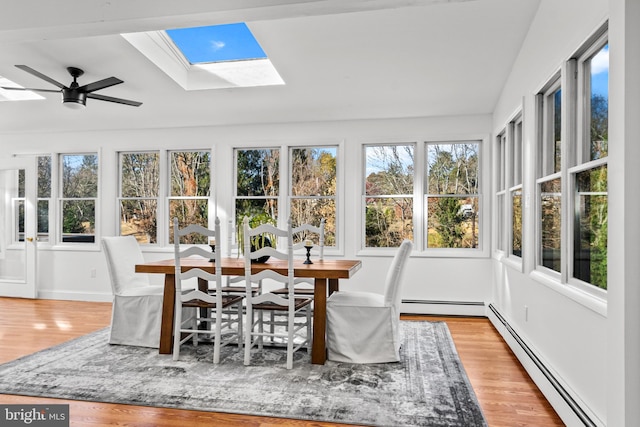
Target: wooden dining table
column 326, row 274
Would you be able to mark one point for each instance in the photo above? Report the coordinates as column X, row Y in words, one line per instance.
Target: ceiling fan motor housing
column 73, row 95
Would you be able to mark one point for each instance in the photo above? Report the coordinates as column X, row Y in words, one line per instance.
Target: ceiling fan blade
column 112, row 99
column 100, row 84
column 31, row 89
column 40, row 75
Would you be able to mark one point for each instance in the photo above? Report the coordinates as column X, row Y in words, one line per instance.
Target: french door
column 18, row 234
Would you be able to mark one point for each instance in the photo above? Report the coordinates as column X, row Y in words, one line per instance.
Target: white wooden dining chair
column 363, row 327
column 303, row 286
column 205, row 310
column 295, row 330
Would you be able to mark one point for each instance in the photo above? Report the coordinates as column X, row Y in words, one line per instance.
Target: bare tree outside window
column 313, row 189
column 258, row 184
column 389, row 171
column 139, row 190
column 190, row 182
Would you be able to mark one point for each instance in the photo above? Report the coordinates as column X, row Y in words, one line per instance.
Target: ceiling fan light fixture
column 74, row 99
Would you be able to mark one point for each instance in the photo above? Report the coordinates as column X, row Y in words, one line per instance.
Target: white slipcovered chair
column 363, row 327
column 137, row 306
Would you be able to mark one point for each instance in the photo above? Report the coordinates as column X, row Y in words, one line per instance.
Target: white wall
column 66, row 274
column 566, row 329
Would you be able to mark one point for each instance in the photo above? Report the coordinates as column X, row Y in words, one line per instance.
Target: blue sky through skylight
column 217, row 43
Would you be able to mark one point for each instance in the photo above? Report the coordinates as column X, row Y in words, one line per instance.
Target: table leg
column 333, row 286
column 168, row 302
column 318, row 346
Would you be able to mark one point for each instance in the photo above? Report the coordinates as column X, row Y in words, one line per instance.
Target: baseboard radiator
column 562, row 392
column 446, row 308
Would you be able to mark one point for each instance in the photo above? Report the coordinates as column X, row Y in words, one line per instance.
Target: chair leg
column 177, row 325
column 248, row 331
column 216, row 339
column 240, row 337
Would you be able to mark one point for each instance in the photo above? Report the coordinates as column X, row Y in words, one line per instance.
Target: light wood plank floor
column 507, row 395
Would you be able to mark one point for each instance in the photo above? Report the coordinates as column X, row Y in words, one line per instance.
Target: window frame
column 575, row 145
column 284, row 189
column 363, row 248
column 335, row 198
column 419, row 217
column 120, row 198
column 60, row 199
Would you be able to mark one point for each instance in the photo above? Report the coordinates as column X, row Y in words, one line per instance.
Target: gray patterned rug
column 429, row 387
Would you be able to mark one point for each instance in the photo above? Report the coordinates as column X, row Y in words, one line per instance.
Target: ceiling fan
column 74, row 95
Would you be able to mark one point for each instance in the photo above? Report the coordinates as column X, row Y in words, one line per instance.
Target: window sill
column 512, row 262
column 431, row 253
column 585, row 299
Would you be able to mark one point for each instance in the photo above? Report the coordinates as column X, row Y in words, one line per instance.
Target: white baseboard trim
column 75, row 296
column 569, row 408
column 443, row 308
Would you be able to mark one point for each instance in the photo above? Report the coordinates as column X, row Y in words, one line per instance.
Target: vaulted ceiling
column 340, row 60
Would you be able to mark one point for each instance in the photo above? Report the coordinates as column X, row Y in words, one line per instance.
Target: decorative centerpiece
column 308, row 244
column 212, row 245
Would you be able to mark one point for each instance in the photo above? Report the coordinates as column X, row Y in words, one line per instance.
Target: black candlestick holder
column 308, row 260
column 213, row 251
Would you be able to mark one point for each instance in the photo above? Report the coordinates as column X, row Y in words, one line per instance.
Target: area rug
column 428, row 387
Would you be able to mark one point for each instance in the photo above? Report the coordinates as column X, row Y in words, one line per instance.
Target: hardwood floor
column 507, row 395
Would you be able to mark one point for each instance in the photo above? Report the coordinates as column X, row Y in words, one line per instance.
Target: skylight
column 217, row 43
column 211, row 57
column 16, row 95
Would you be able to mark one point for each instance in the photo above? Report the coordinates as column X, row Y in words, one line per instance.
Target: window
column 500, row 170
column 452, row 199
column 549, row 178
column 515, row 190
column 257, row 185
column 139, row 194
column 79, row 196
column 313, row 188
column 388, row 194
column 189, row 190
column 572, row 207
column 44, row 197
column 588, row 177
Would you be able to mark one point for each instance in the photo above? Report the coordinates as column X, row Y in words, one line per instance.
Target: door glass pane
column 12, row 253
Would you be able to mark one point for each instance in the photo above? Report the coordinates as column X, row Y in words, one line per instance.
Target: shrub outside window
column 79, row 182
